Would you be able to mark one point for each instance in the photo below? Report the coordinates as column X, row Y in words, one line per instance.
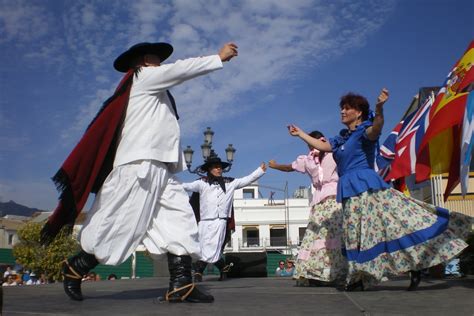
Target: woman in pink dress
column 320, row 260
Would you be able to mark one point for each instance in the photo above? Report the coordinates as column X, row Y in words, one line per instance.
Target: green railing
column 145, row 266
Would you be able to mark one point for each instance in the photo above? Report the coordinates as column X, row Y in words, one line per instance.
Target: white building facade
column 264, row 224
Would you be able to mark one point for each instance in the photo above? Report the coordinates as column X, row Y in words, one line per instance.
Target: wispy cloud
column 279, row 40
column 92, row 31
column 147, row 16
column 23, row 21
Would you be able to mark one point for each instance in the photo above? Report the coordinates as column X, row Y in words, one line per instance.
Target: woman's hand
column 374, row 131
column 272, row 164
column 383, row 97
column 294, row 130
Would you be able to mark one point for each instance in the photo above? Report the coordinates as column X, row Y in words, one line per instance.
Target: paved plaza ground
column 246, row 296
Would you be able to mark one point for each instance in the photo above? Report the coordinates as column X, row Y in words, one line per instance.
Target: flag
column 412, row 129
column 440, row 148
column 467, row 143
column 386, row 153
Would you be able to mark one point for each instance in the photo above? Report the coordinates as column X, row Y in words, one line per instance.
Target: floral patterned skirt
column 387, row 233
column 320, row 256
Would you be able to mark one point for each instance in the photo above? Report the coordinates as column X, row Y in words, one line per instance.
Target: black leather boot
column 181, row 286
column 73, row 270
column 415, row 278
column 354, row 286
column 199, row 267
column 223, row 268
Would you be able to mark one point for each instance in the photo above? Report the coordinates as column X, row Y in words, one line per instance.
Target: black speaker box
column 247, row 264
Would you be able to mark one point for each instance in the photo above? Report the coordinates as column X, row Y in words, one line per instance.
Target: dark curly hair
column 316, row 134
column 356, row 101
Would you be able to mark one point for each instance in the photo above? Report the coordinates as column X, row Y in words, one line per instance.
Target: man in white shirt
column 141, row 201
column 8, row 271
column 33, row 279
column 216, row 197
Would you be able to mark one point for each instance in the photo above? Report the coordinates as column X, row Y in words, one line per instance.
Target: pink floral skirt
column 320, row 256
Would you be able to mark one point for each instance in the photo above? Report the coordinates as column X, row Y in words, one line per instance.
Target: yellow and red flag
column 440, row 148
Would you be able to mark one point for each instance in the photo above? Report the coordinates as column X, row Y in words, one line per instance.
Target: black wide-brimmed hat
column 162, row 50
column 213, row 161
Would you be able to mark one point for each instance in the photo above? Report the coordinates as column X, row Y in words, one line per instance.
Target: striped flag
column 386, row 153
column 440, row 148
column 407, row 143
column 467, row 143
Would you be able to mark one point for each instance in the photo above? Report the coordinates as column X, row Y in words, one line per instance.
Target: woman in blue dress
column 385, row 232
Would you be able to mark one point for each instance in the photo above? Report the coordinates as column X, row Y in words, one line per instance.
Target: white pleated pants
column 140, row 202
column 211, row 237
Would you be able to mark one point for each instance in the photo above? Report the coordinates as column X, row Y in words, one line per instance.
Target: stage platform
column 246, row 296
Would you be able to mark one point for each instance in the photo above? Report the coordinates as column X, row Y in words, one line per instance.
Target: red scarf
column 89, row 163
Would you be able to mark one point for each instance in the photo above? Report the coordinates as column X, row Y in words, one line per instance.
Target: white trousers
column 140, row 202
column 211, row 238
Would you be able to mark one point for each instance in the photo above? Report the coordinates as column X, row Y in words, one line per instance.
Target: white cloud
column 146, row 16
column 279, row 40
column 91, row 33
column 88, row 15
column 185, row 35
column 23, row 21
column 49, row 54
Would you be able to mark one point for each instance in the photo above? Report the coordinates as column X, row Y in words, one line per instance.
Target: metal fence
column 265, row 243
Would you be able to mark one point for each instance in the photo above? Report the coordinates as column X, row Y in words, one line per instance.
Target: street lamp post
column 208, row 152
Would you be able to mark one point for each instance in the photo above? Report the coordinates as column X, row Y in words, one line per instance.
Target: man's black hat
column 162, row 50
column 213, row 160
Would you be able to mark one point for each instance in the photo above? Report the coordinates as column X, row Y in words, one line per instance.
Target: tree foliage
column 32, row 255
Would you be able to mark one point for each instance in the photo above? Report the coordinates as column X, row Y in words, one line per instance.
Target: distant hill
column 12, row 208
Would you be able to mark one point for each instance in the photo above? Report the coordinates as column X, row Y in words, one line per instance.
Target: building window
column 251, row 237
column 229, row 243
column 249, row 193
column 301, row 193
column 277, row 235
column 10, row 239
column 301, row 232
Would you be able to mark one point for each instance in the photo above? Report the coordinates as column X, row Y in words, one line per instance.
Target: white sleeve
column 192, row 186
column 156, row 79
column 245, row 181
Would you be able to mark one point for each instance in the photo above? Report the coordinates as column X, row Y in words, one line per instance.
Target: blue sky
column 296, row 58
